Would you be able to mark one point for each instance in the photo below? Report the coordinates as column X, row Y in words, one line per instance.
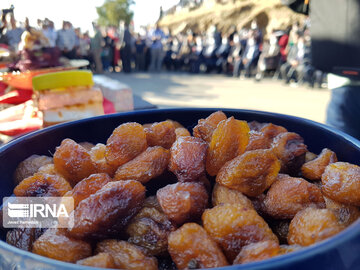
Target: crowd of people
column 282, row 54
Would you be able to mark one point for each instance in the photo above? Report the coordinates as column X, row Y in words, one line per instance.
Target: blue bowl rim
column 292, row 257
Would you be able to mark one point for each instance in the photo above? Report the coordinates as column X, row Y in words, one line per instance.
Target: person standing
column 96, row 48
column 66, row 40
column 125, row 52
column 140, row 47
column 49, row 32
column 335, row 47
column 156, row 49
column 14, row 34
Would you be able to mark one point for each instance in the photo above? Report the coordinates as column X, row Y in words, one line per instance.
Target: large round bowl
column 339, row 252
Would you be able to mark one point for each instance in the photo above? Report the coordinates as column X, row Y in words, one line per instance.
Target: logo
column 19, row 210
column 37, row 212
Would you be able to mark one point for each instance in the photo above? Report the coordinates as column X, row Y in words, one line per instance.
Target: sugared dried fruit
column 49, row 169
column 187, row 160
column 250, row 173
column 289, row 195
column 175, row 123
column 285, row 249
column 126, row 255
column 73, row 161
column 161, row 134
column 29, row 166
column 23, row 238
column 87, row 145
column 233, row 226
column 182, row 202
column 88, row 186
column 314, row 169
column 262, row 135
column 280, row 228
column 101, row 260
column 271, row 131
column 205, row 127
column 291, row 150
column 146, row 166
column 150, row 228
column 341, row 182
column 346, row 214
column 42, row 185
column 182, row 132
column 309, row 156
column 191, row 244
column 257, row 140
column 116, row 201
column 55, row 244
column 257, row 252
column 229, row 140
column 222, row 194
column 97, row 154
column 125, row 143
column 312, row 225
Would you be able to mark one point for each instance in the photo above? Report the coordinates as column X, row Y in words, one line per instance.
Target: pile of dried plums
column 155, row 197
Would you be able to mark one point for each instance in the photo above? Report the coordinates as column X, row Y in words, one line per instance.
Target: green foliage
column 114, row 11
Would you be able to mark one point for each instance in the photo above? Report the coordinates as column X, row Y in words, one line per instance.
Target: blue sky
column 81, row 12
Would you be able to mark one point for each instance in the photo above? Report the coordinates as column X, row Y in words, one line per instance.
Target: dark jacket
column 335, row 34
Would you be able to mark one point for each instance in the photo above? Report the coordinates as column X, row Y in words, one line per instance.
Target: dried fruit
column 55, row 244
column 29, row 166
column 250, row 173
column 346, row 214
column 42, row 185
column 222, row 194
column 116, row 201
column 229, row 140
column 126, row 255
column 187, row 160
column 101, row 260
column 233, row 226
column 125, row 143
column 313, row 225
column 289, row 195
column 150, row 228
column 73, row 161
column 175, row 123
column 49, row 169
column 281, row 229
column 23, row 238
column 257, row 252
column 309, row 156
column 271, row 131
column 285, row 249
column 258, row 203
column 146, row 166
column 205, row 127
column 256, row 126
column 182, row 202
column 257, row 140
column 87, row 145
column 161, row 134
column 190, row 245
column 88, row 186
column 262, row 135
column 291, row 150
column 182, row 132
column 313, row 169
column 97, row 154
column 341, row 182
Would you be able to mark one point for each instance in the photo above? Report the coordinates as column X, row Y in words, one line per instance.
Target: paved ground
column 168, row 90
